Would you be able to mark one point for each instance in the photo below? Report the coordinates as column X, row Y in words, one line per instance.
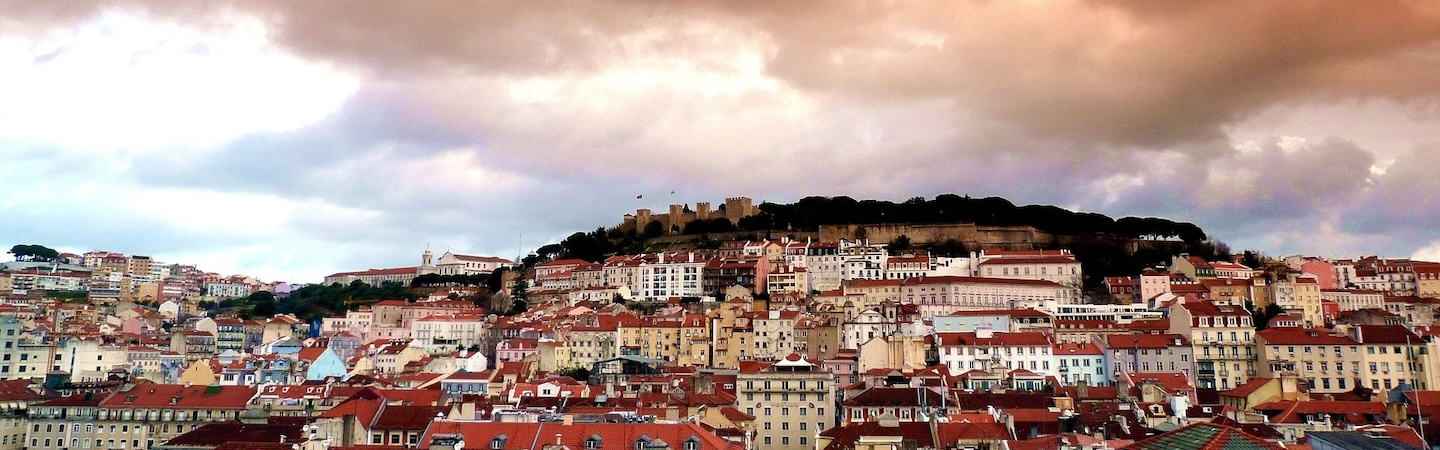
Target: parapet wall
column 970, row 234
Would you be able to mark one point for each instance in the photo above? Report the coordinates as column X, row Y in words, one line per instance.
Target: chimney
column 557, row 435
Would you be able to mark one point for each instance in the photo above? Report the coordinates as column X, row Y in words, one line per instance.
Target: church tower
column 426, row 258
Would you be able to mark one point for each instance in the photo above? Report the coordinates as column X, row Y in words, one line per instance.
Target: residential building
column 1221, row 336
column 792, row 400
column 943, row 295
column 1378, row 357
column 1141, row 353
column 984, row 349
column 1081, row 363
column 1354, row 299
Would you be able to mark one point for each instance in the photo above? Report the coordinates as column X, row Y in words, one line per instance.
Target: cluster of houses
column 772, row 344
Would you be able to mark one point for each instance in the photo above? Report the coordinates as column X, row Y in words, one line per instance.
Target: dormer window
column 593, row 441
column 641, row 444
column 498, row 442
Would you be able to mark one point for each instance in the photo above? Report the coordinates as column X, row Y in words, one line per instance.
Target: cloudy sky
column 291, row 139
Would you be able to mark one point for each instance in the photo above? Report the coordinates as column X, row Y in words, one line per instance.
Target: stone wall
column 970, row 234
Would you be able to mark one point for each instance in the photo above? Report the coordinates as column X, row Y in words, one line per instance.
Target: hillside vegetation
column 1105, row 246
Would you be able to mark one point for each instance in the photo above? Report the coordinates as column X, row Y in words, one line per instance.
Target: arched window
column 498, row 442
column 693, row 443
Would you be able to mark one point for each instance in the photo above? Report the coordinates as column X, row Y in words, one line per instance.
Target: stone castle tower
column 678, row 215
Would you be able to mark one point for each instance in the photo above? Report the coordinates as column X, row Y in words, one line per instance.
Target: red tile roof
column 180, row 396
column 1290, row 411
column 391, row 271
column 310, row 353
column 948, row 279
column 997, row 338
column 215, row 434
column 479, row 435
column 11, row 390
column 364, row 410
column 899, row 396
column 408, row 418
column 1035, row 260
column 1248, row 388
column 1300, row 336
column 1085, row 348
column 1386, row 334
column 843, row 437
column 1147, row 341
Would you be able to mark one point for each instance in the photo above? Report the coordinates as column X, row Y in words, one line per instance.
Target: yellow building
column 198, row 373
column 1427, row 279
column 1300, row 297
column 1221, row 337
column 1380, row 357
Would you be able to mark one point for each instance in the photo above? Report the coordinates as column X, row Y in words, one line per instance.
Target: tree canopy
column 32, row 252
column 811, row 212
column 318, row 300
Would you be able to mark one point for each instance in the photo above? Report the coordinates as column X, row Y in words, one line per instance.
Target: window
column 641, row 443
column 592, row 442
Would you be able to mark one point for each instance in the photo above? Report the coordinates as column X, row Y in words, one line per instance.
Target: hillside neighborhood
column 767, row 343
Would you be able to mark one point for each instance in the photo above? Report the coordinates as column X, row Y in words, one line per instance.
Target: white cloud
column 1430, row 252
column 127, row 82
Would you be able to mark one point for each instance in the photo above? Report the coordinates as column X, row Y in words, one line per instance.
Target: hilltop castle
column 734, row 209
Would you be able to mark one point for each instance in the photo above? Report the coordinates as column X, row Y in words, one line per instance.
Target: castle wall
column 677, row 217
column 970, row 234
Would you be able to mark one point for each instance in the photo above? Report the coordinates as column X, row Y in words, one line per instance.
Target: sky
column 288, row 140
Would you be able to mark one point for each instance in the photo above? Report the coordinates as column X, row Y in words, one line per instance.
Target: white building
column 227, row 290
column 671, row 275
column 1118, row 313
column 457, row 264
column 943, row 295
column 1354, row 300
column 981, row 349
column 448, row 332
column 1057, row 266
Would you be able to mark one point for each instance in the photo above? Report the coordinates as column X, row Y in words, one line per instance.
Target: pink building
column 516, row 349
column 1322, row 270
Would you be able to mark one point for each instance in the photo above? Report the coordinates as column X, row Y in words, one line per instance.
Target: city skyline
column 288, row 141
